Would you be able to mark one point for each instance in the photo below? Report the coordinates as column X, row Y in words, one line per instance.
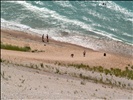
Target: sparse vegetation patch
column 16, row 48
column 112, row 71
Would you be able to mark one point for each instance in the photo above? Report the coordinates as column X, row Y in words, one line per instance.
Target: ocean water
column 91, row 24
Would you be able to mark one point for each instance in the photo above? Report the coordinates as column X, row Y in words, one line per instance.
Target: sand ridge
column 26, row 83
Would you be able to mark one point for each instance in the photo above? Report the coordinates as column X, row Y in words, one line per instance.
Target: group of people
column 47, row 38
column 72, row 55
column 84, row 53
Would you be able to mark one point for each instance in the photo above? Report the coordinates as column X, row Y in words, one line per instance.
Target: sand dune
column 27, row 83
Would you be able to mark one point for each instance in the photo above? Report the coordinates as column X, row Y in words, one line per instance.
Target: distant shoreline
column 110, row 46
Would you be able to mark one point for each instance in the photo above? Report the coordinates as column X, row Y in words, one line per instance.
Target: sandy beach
column 21, row 82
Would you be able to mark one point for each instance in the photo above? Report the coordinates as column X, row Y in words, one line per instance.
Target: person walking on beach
column 43, row 38
column 84, row 53
column 47, row 38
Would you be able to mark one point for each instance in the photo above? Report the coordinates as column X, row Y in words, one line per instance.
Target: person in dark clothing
column 84, row 53
column 47, row 38
column 43, row 38
column 104, row 54
column 72, row 55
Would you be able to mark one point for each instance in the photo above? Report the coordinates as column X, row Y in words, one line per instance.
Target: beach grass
column 16, row 48
column 128, row 72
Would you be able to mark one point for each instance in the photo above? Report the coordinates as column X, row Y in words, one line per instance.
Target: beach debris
column 104, row 54
column 84, row 53
column 43, row 38
column 47, row 38
column 72, row 55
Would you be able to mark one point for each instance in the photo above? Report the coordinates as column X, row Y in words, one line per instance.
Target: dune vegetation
column 16, row 48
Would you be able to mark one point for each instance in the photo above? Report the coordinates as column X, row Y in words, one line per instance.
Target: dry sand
column 26, row 83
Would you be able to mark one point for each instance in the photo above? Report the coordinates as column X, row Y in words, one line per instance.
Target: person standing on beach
column 104, row 54
column 47, row 38
column 43, row 38
column 84, row 53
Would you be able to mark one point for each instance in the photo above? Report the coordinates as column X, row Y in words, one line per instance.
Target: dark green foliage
column 11, row 47
column 106, row 71
column 80, row 66
column 116, row 71
column 27, row 48
column 130, row 74
column 100, row 69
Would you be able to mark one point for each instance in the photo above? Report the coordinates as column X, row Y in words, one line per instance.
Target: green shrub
column 12, row 47
column 100, row 69
column 112, row 71
column 106, row 71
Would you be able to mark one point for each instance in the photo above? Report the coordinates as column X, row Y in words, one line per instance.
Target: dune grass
column 16, row 48
column 127, row 72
